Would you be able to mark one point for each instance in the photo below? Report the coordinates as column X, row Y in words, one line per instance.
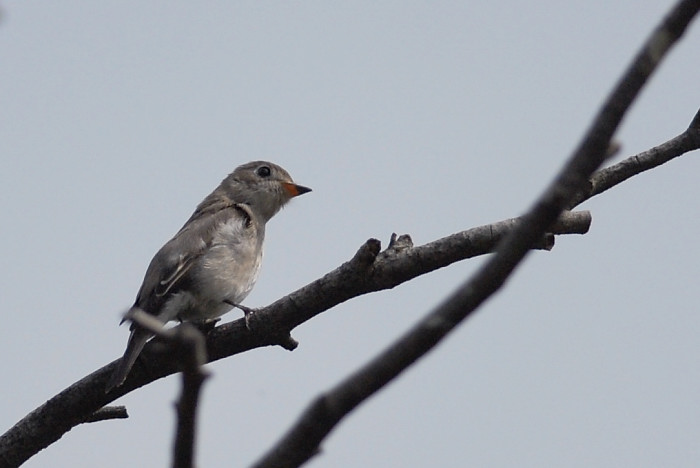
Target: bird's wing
column 183, row 265
column 168, row 271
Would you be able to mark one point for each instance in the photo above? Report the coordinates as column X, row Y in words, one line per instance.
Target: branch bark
column 611, row 176
column 193, row 378
column 368, row 271
column 189, row 344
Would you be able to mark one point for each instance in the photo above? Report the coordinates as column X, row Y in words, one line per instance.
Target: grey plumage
column 214, row 260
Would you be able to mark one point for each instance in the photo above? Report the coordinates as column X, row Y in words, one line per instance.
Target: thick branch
column 368, row 271
column 303, row 440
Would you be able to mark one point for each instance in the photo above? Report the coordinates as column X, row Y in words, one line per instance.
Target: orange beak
column 294, row 189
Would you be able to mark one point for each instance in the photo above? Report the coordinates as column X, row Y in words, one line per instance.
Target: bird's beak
column 294, row 190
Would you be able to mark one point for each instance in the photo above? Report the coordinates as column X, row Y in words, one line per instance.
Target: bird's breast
column 228, row 269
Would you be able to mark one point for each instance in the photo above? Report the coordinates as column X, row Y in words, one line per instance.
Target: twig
column 108, row 412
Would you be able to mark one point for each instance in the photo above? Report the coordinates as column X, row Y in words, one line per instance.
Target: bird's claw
column 247, row 313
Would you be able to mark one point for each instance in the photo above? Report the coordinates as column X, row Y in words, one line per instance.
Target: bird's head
column 264, row 186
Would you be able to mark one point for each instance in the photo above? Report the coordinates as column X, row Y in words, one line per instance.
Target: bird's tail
column 137, row 340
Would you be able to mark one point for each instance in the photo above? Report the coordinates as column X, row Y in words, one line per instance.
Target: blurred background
column 424, row 118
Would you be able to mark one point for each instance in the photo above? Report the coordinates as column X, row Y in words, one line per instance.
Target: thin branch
column 303, row 440
column 192, row 379
column 609, row 177
column 191, row 351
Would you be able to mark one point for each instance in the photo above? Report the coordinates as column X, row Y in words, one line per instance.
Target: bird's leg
column 247, row 312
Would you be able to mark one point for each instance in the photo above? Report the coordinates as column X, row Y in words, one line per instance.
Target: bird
column 213, row 261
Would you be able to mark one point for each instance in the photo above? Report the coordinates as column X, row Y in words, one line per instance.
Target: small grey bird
column 212, row 263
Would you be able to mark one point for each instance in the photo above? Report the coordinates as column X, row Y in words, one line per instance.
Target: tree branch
column 369, row 270
column 609, row 177
column 192, row 379
column 191, row 351
column 303, row 440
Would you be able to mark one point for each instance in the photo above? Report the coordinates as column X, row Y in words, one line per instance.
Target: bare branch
column 108, row 412
column 303, row 440
column 609, row 177
column 190, row 344
column 192, row 379
column 368, row 271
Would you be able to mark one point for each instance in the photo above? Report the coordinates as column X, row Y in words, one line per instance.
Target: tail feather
column 137, row 341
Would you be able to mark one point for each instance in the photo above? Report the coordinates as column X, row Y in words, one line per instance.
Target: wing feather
column 167, row 273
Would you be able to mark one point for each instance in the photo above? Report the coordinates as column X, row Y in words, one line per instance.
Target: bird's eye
column 264, row 171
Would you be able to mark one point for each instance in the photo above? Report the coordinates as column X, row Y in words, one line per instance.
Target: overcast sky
column 424, row 118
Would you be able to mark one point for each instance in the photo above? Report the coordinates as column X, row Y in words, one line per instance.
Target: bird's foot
column 247, row 313
column 205, row 326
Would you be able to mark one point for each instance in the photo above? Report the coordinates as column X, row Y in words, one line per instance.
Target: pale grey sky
column 412, row 117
